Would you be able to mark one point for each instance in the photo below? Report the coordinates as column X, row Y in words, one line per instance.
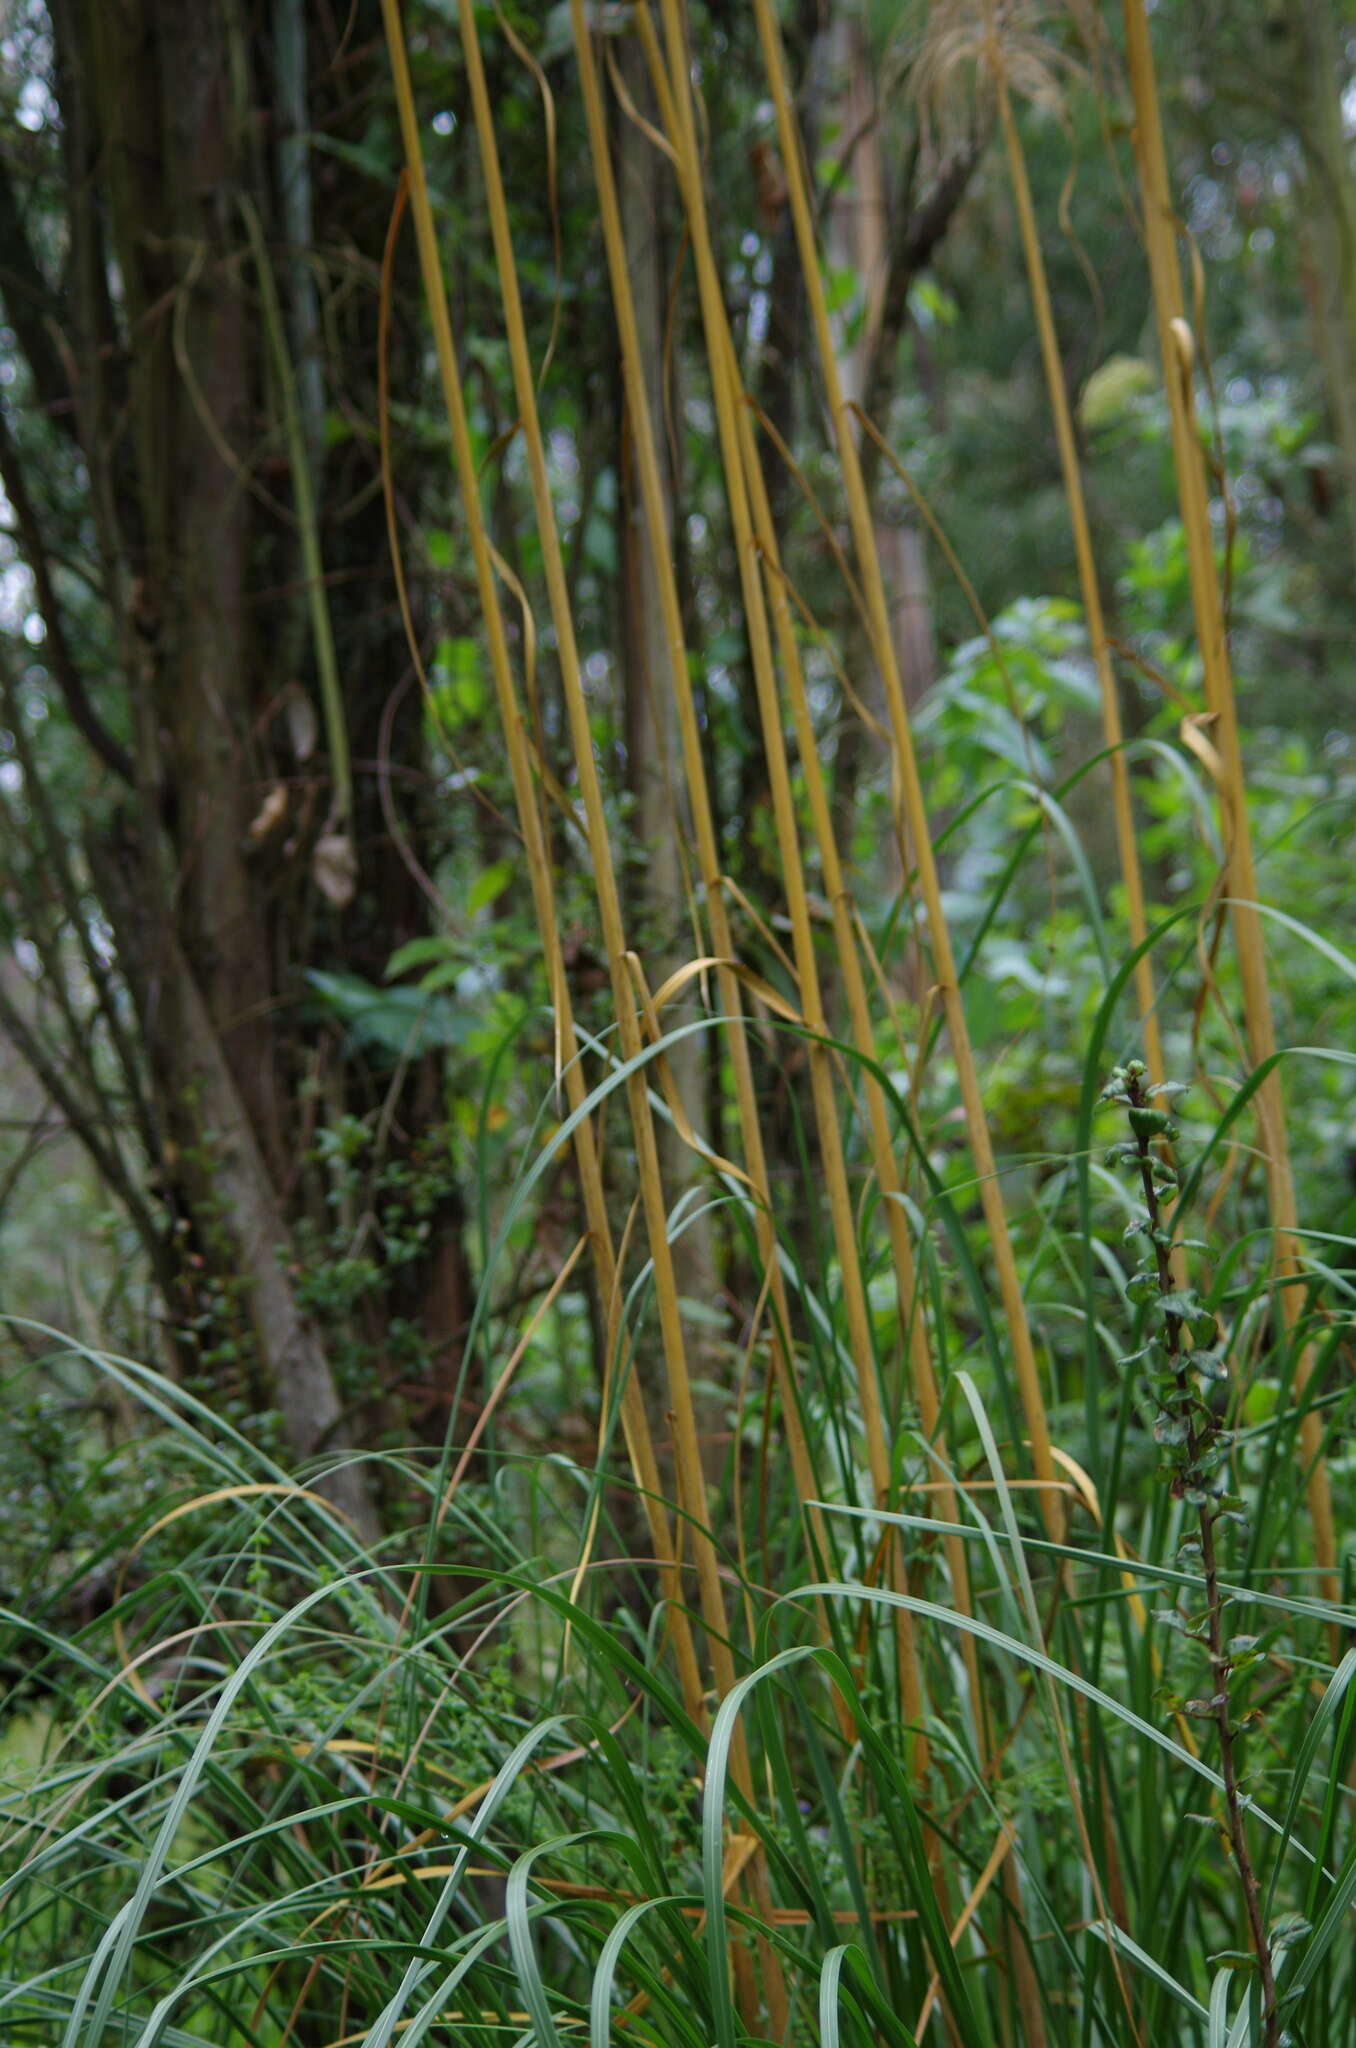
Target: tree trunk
column 224, row 1166
column 169, row 171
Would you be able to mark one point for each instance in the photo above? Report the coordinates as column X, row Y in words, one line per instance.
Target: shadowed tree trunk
column 171, row 110
column 181, row 360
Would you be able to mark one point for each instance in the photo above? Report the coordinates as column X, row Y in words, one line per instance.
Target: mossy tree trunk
column 224, row 853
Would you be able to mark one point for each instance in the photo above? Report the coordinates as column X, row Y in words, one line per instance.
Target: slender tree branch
column 30, row 305
column 57, row 656
column 57, row 862
column 106, row 1159
column 37, row 1131
column 920, row 231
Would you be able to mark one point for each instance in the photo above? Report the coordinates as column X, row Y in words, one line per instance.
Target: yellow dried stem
column 1177, row 349
column 911, row 1321
column 635, row 1423
column 682, row 1410
column 729, row 412
column 687, row 1448
column 910, row 786
column 915, row 816
column 1126, row 844
column 647, row 467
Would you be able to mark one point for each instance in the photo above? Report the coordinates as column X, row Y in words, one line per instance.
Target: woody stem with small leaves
column 1201, row 1432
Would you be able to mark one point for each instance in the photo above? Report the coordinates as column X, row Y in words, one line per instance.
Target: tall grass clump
column 286, row 1789
column 984, row 1679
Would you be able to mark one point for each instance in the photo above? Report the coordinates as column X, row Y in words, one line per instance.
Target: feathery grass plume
column 1177, row 348
column 963, row 50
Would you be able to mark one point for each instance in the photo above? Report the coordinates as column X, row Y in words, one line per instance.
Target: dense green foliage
column 343, row 1698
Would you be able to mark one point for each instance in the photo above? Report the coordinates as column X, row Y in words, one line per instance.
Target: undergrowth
column 281, row 1789
column 856, row 1719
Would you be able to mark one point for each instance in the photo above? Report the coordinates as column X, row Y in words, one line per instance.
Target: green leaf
column 1113, row 392
column 416, row 953
column 401, row 1023
column 489, row 883
column 1332, row 1922
column 1261, row 1402
column 1108, row 1931
column 458, row 682
column 446, row 976
column 1184, row 1303
column 932, row 305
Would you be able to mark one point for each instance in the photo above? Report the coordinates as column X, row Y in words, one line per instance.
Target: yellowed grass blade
column 911, row 1321
column 688, row 1453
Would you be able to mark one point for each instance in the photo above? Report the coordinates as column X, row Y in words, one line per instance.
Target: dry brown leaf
column 269, row 815
column 334, row 868
column 303, row 725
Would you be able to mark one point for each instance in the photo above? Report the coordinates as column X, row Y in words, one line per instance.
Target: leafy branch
column 1185, row 1361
